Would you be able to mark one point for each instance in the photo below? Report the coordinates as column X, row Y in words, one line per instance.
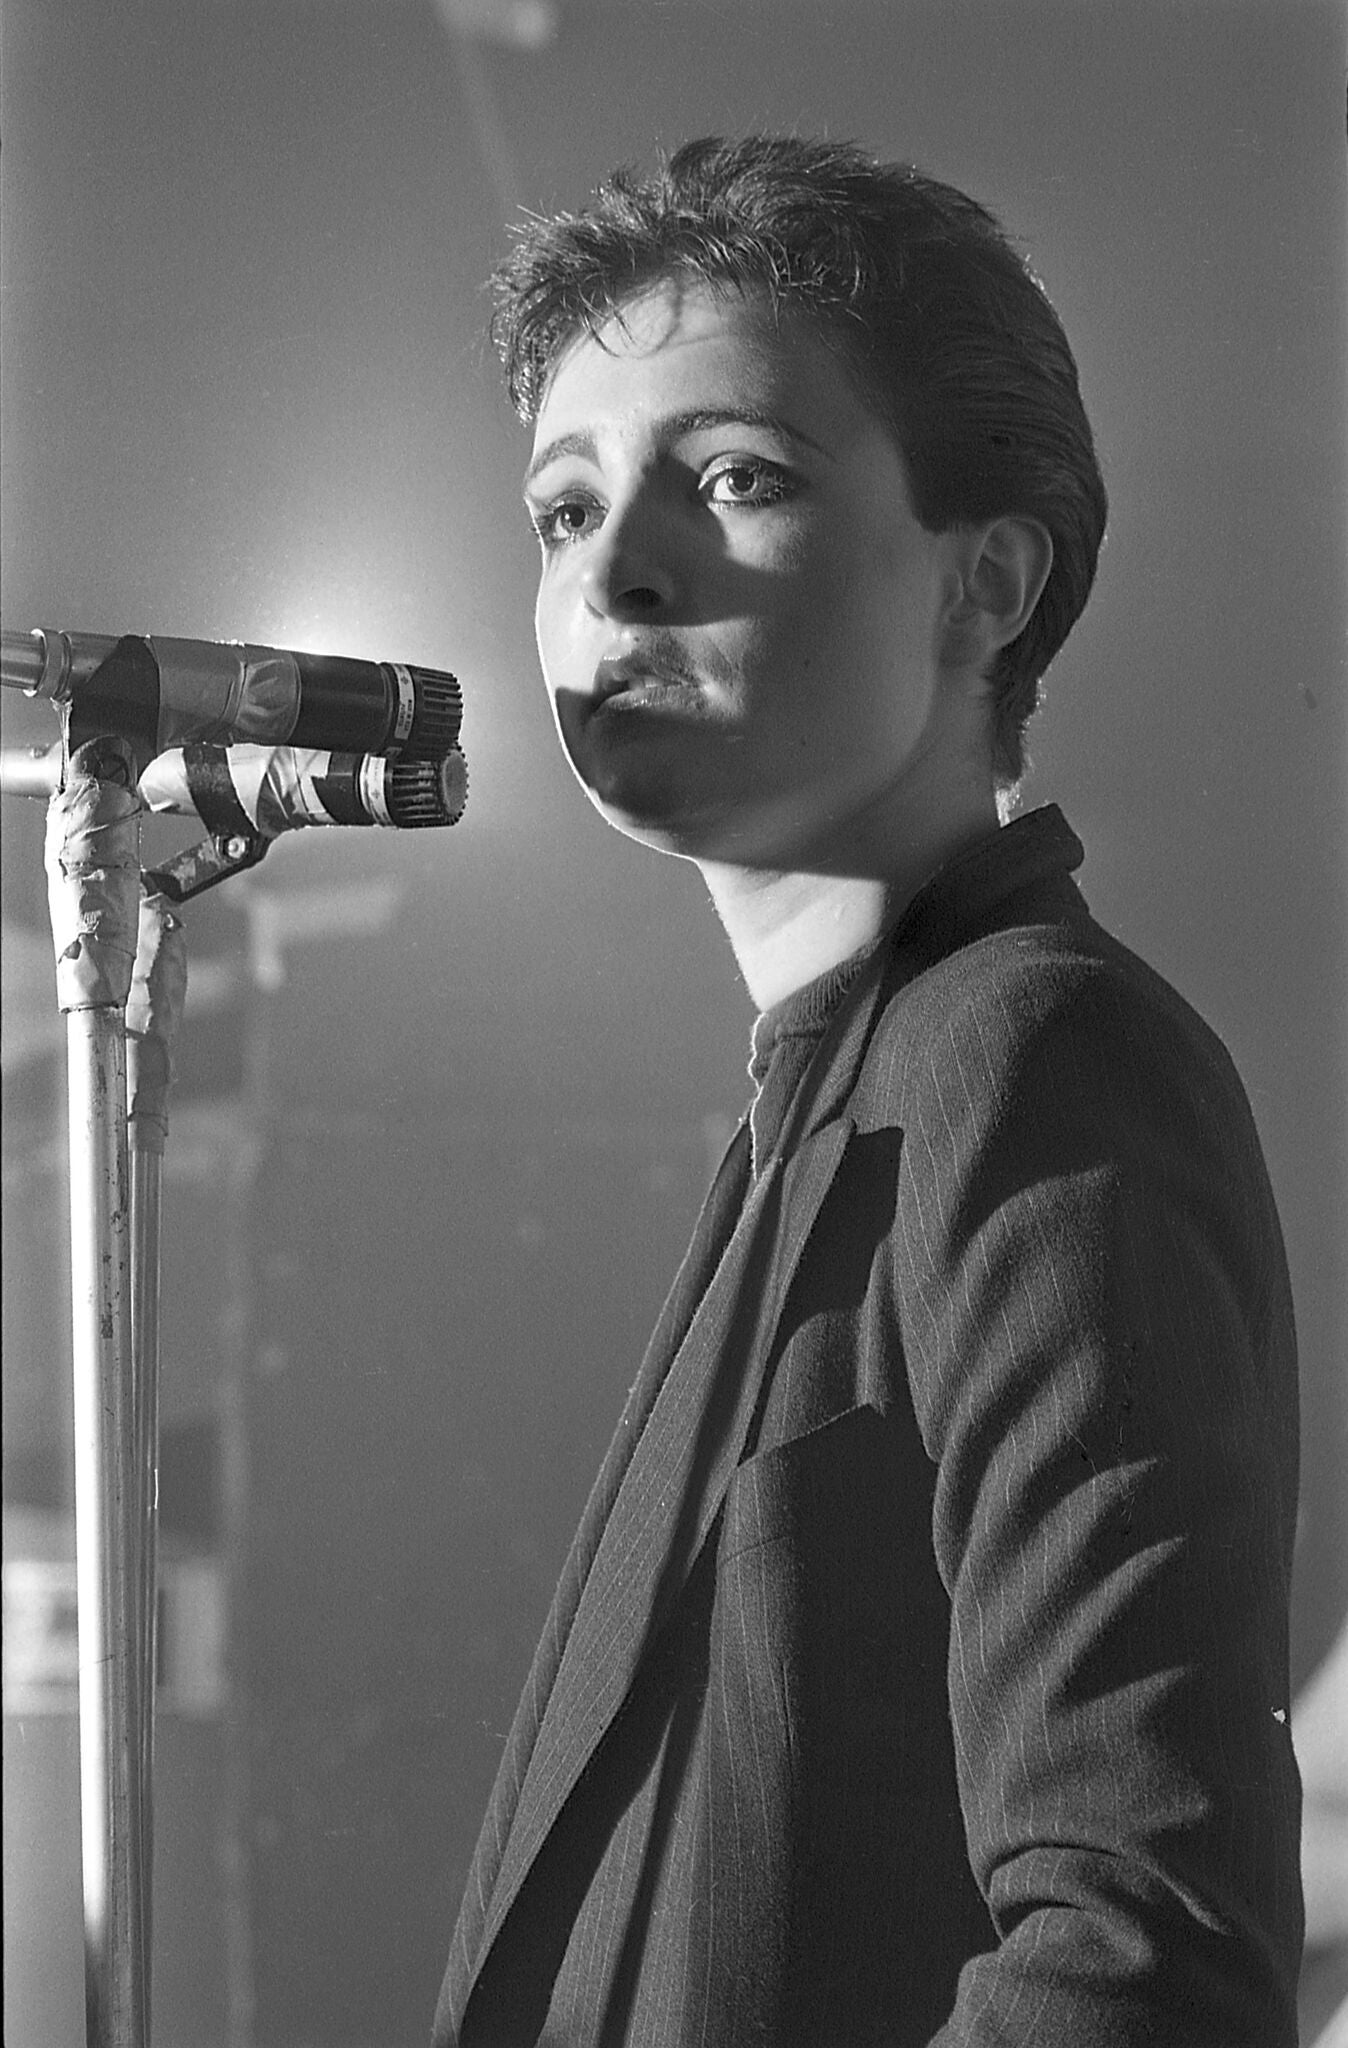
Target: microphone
column 263, row 791
column 163, row 693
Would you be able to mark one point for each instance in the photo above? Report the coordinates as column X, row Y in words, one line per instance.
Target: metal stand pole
column 154, row 1012
column 93, row 870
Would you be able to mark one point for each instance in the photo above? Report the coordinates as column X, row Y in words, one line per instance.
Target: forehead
column 684, row 349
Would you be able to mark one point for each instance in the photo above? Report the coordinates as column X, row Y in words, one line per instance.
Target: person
column 919, row 1670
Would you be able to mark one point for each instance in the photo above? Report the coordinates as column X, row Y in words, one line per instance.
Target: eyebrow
column 673, row 429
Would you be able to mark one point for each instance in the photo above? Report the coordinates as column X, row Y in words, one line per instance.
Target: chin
column 638, row 798
column 646, row 826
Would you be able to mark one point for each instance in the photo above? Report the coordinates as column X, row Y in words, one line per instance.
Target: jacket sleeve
column 1098, row 1338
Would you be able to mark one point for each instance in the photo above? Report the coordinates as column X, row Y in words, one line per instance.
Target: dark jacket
column 918, row 1673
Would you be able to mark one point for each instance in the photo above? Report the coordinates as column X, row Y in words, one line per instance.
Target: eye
column 566, row 519
column 746, row 480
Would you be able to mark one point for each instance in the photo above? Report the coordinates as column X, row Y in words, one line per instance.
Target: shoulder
column 1058, row 1018
column 1074, row 1146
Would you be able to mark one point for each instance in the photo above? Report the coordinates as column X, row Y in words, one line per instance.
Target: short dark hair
column 949, row 333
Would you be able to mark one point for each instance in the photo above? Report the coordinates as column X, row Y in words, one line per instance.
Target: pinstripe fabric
column 919, row 1674
column 709, row 1243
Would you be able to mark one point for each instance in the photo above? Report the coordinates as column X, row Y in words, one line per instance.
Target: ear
column 1002, row 568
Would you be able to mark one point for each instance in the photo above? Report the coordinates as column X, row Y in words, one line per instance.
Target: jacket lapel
column 673, row 1456
column 669, row 1496
column 723, row 1202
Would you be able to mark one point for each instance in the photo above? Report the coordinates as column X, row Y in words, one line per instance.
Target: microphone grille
column 436, row 716
column 421, row 793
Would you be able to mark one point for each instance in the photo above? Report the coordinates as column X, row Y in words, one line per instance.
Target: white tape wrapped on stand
column 93, row 890
column 153, row 1013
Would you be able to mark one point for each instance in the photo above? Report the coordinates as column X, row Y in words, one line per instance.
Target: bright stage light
column 520, row 24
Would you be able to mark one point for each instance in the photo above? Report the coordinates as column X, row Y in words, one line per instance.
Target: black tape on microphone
column 269, row 790
column 161, row 692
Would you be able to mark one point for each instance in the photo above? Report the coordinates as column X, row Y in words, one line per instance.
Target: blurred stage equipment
column 139, row 719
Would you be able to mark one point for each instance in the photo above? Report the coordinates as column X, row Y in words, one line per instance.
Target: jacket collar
column 979, row 891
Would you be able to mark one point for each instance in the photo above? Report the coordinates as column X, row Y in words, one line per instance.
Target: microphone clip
column 202, row 866
column 233, row 844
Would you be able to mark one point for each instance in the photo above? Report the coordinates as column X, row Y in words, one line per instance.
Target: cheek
column 548, row 634
column 830, row 616
column 840, row 576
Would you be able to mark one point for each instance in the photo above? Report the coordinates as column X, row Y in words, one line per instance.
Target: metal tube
column 107, row 1571
column 146, row 1197
column 153, row 1014
column 92, row 860
column 48, row 664
column 22, row 659
column 30, row 771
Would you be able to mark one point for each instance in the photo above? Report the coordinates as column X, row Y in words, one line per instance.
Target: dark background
column 448, row 1101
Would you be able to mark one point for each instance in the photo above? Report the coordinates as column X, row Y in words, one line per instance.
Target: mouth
column 632, row 680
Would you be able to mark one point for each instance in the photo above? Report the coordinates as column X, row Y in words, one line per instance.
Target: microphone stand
column 121, row 979
column 121, row 975
column 93, row 876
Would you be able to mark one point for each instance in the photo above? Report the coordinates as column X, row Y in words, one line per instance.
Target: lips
column 632, row 674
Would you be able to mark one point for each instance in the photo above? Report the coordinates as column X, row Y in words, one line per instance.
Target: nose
column 628, row 572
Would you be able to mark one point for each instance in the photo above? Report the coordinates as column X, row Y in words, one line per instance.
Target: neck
column 789, row 926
